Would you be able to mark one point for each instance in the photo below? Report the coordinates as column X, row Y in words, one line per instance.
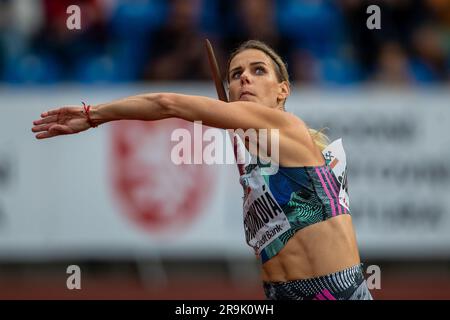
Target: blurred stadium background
column 110, row 201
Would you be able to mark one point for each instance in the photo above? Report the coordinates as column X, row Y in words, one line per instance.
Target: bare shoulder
column 297, row 128
column 298, row 148
column 295, row 120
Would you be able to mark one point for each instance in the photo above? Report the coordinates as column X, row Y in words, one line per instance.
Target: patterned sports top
column 276, row 206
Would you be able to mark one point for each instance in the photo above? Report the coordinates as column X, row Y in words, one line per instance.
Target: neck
column 280, row 107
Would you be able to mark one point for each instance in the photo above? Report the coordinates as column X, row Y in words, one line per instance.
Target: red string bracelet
column 86, row 112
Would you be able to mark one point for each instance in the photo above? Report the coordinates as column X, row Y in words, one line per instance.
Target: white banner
column 114, row 192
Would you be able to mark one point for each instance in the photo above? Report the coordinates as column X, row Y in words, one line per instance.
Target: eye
column 236, row 75
column 260, row 70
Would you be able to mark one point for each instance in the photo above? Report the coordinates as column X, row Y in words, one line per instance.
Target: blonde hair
column 319, row 138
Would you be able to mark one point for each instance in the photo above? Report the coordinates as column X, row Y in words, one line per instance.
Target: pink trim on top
column 326, row 173
column 333, row 209
column 330, row 172
column 338, row 190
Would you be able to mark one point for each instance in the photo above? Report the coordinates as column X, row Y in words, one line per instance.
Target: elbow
column 165, row 102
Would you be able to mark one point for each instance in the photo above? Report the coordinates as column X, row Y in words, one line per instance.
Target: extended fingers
column 43, row 127
column 50, row 113
column 51, row 131
column 60, row 129
column 62, row 110
column 48, row 125
column 45, row 135
column 47, row 119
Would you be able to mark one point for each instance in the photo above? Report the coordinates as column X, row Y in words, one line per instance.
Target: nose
column 244, row 78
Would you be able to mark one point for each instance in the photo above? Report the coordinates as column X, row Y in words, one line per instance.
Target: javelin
column 222, row 96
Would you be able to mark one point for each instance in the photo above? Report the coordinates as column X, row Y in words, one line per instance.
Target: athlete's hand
column 65, row 120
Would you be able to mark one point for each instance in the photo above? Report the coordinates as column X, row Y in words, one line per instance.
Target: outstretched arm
column 157, row 106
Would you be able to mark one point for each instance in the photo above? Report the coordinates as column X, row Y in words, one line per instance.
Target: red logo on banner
column 156, row 193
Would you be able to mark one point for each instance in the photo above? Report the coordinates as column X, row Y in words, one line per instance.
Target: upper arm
column 233, row 115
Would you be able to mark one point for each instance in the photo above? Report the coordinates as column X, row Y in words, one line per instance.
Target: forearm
column 140, row 107
column 158, row 106
column 212, row 112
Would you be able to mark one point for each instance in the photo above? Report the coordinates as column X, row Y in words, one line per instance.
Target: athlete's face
column 252, row 77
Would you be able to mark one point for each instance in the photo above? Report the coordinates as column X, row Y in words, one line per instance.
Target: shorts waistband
column 340, row 284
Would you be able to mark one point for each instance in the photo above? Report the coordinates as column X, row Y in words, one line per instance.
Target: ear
column 284, row 91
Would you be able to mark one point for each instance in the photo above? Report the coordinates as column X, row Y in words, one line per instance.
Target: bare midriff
column 317, row 250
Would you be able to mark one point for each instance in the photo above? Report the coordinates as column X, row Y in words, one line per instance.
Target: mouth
column 245, row 94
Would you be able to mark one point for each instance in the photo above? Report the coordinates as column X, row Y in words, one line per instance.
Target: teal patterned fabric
column 307, row 195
